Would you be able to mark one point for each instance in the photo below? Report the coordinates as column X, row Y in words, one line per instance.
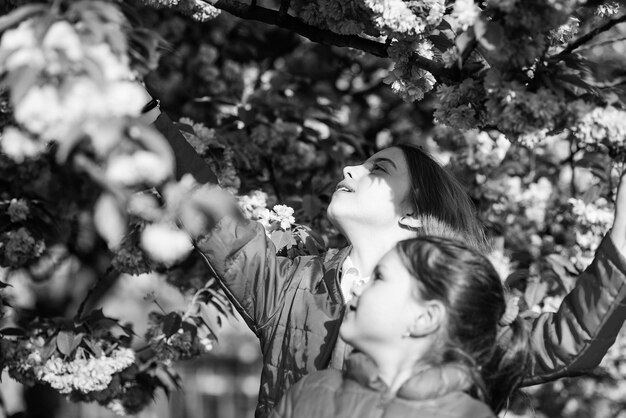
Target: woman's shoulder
column 323, row 379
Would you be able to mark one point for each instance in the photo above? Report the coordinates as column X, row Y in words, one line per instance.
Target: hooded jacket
column 358, row 391
column 295, row 308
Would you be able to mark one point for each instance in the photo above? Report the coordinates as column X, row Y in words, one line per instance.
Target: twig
column 323, row 36
column 96, row 285
column 608, row 41
column 590, row 35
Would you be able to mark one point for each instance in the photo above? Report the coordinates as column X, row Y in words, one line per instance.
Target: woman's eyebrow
column 386, row 160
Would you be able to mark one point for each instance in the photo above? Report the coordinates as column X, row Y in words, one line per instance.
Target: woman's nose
column 353, row 171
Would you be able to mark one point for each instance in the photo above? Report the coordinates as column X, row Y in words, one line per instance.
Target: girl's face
column 373, row 193
column 385, row 308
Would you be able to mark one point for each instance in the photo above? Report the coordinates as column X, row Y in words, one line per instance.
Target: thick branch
column 590, row 35
column 323, row 36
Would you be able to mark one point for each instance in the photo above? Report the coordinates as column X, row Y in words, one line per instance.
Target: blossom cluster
column 84, row 374
column 484, row 149
column 254, row 206
column 593, row 220
column 599, row 125
column 53, row 110
column 407, row 81
column 345, row 17
column 460, row 105
column 524, row 114
column 108, row 378
column 198, row 10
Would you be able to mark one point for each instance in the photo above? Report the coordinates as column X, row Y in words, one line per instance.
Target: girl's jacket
column 358, row 392
column 295, row 307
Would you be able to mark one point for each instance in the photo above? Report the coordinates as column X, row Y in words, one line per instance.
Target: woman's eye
column 379, row 168
column 377, row 276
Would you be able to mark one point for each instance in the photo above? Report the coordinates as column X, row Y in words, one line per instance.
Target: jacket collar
column 426, row 383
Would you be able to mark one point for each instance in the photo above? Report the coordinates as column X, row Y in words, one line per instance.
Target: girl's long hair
column 435, row 192
column 467, row 284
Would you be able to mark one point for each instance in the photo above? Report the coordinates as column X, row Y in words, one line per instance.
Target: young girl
column 417, row 354
column 295, row 307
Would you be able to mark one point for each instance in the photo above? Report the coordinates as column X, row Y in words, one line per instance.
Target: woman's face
column 383, row 310
column 374, row 193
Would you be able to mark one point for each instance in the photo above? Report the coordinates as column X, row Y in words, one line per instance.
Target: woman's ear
column 410, row 221
column 428, row 319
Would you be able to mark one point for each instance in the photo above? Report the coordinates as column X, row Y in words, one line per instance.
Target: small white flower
column 19, row 146
column 284, row 215
column 139, row 167
column 464, row 14
column 320, row 127
column 165, row 243
column 62, row 37
column 19, row 47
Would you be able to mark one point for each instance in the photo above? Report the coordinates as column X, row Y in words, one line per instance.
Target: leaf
column 171, row 323
column 281, row 239
column 444, row 25
column 76, row 341
column 48, row 349
column 167, row 379
column 95, row 348
column 598, row 162
column 109, row 220
column 191, row 328
column 535, row 292
column 18, row 15
column 489, row 34
column 441, row 42
column 463, row 41
column 21, row 81
column 64, row 342
column 577, row 81
column 592, row 194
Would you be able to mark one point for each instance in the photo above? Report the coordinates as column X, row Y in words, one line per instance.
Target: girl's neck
column 396, row 369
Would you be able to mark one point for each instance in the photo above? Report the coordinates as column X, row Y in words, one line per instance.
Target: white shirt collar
column 351, row 279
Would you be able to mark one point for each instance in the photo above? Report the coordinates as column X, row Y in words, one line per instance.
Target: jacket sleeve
column 244, row 260
column 187, row 160
column 573, row 340
column 285, row 408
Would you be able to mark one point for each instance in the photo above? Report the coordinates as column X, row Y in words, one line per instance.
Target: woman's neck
column 370, row 244
column 366, row 257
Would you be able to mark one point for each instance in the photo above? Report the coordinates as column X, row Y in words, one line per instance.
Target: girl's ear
column 410, row 221
column 428, row 319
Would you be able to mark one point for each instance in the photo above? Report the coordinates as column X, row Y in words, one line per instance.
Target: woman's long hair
column 467, row 284
column 436, row 193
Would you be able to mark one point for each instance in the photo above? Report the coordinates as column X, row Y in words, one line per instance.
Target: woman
column 295, row 307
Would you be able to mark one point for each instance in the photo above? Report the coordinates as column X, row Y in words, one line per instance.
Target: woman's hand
column 618, row 232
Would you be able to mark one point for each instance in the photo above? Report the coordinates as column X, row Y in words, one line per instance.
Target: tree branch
column 323, row 36
column 590, row 35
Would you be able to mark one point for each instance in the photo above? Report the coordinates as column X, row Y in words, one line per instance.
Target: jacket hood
column 426, row 383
